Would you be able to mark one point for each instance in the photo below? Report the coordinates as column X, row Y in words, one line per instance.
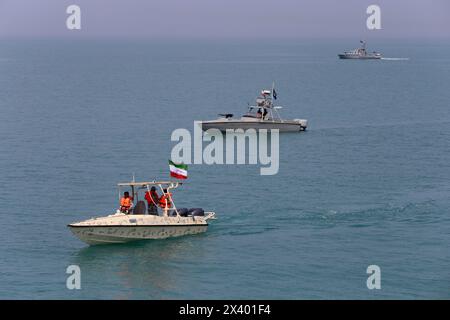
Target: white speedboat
column 265, row 115
column 123, row 227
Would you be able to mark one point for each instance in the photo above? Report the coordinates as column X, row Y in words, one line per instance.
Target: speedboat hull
column 121, row 228
column 282, row 126
column 123, row 234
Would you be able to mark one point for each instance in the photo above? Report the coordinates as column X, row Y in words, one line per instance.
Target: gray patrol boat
column 264, row 115
column 360, row 53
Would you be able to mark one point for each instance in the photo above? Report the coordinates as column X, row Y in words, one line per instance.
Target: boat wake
column 395, row 59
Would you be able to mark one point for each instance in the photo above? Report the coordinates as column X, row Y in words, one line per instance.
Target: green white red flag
column 178, row 171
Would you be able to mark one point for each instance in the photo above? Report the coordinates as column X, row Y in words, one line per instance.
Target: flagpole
column 273, row 87
column 272, row 106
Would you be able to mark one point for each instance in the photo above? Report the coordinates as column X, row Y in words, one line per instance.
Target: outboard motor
column 183, row 212
column 196, row 212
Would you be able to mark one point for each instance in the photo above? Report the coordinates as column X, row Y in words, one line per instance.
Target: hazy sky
column 226, row 18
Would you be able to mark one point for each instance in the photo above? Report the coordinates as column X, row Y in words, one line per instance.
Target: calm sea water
column 368, row 183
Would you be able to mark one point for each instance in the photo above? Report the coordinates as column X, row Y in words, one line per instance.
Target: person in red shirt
column 152, row 198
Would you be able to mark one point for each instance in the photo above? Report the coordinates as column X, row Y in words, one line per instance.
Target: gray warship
column 360, row 53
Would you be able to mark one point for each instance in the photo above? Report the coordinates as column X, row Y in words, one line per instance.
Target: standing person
column 152, row 198
column 126, row 203
column 164, row 201
column 259, row 114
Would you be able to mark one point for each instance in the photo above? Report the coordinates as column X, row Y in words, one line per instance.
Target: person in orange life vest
column 152, row 198
column 126, row 203
column 164, row 201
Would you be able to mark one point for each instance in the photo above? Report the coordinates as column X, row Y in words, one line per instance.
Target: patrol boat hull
column 282, row 126
column 122, row 228
column 359, row 57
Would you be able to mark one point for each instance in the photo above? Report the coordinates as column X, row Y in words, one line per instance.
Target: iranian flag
column 178, row 171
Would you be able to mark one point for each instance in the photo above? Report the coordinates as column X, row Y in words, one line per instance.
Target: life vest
column 165, row 198
column 125, row 202
column 152, row 198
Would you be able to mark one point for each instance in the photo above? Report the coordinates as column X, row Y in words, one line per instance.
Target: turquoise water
column 368, row 183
